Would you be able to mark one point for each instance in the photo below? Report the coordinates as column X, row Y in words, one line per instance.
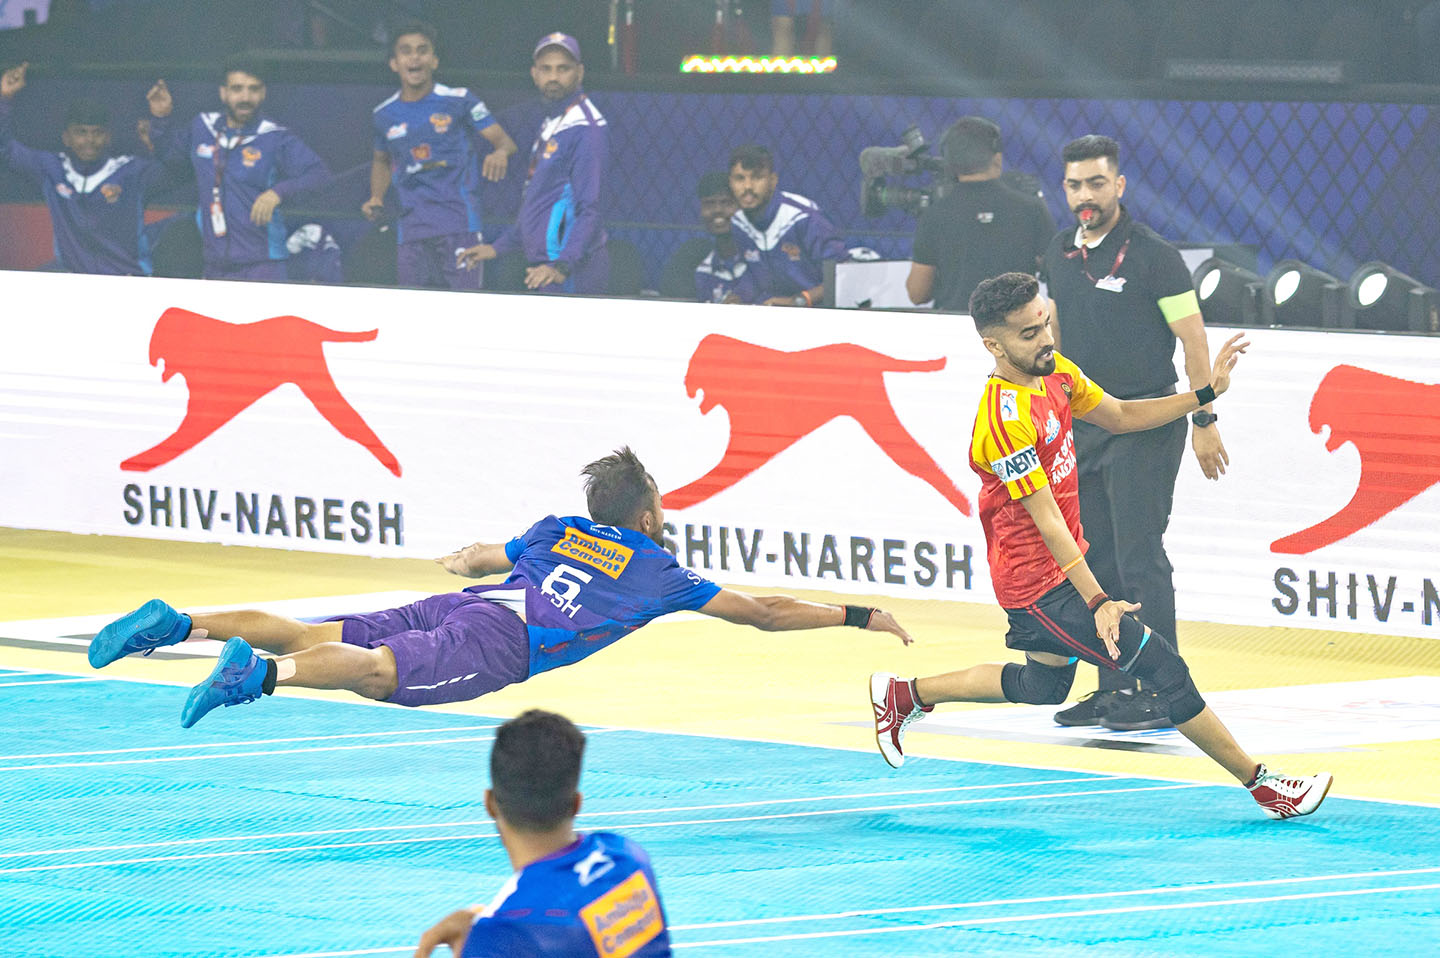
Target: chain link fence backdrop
column 1332, row 184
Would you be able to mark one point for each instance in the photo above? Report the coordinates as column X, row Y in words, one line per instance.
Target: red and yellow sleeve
column 1005, row 440
column 1085, row 395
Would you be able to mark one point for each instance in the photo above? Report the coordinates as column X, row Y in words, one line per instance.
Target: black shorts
column 1060, row 623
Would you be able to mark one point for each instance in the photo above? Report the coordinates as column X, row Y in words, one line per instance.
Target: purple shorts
column 448, row 648
column 430, row 263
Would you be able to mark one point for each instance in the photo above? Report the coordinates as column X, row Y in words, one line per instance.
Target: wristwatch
column 800, row 300
column 562, row 267
column 1203, row 418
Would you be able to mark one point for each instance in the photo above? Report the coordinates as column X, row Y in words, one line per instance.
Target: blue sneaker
column 146, row 629
column 236, row 680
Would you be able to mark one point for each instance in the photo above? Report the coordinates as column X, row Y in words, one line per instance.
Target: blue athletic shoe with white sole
column 236, row 680
column 146, row 629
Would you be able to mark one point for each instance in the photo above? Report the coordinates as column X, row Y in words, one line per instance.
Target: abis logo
column 776, row 398
column 1395, row 426
column 228, row 366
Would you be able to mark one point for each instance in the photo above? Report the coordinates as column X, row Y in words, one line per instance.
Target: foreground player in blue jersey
column 96, row 199
column 580, row 896
column 424, row 144
column 575, row 586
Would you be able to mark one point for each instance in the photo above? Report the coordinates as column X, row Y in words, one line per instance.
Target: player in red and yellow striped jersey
column 1022, row 442
column 1024, row 451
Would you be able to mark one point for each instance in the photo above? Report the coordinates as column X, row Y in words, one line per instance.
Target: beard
column 1043, row 365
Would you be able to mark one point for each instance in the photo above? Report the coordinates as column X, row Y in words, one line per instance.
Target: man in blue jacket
column 558, row 228
column 245, row 167
column 784, row 239
column 96, row 200
column 572, row 894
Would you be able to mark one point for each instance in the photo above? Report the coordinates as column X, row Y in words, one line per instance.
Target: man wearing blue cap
column 558, row 228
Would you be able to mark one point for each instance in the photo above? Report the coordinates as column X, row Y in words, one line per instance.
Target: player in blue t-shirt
column 424, row 144
column 572, row 895
column 575, row 585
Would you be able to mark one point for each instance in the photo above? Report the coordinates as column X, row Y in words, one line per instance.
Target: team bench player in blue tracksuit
column 581, row 896
column 575, row 586
column 96, row 199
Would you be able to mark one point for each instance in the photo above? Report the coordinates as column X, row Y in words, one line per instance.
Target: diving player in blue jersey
column 424, row 144
column 572, row 894
column 576, row 585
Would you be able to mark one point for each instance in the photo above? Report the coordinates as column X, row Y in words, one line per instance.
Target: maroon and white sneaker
column 895, row 708
column 1282, row 797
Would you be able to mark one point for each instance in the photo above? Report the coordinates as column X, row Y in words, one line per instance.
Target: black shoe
column 1089, row 710
column 1143, row 710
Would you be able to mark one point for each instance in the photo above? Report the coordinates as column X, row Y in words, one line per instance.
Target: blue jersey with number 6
column 581, row 585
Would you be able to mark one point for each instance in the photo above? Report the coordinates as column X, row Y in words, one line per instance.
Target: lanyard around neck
column 1084, row 253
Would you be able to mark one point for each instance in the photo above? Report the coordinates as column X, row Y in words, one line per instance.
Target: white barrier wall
column 796, row 448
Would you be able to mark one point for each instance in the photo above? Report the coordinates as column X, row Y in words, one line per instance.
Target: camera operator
column 979, row 226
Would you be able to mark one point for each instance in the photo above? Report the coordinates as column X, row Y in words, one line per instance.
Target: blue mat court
column 301, row 827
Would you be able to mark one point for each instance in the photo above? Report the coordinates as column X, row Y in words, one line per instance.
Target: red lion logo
column 1395, row 426
column 228, row 366
column 775, row 398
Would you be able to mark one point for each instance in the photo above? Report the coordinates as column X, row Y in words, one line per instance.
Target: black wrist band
column 1205, row 395
column 1098, row 601
column 858, row 616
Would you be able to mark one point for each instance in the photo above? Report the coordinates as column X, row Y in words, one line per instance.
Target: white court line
column 407, row 949
column 629, row 827
column 247, row 742
column 907, row 791
column 274, row 751
column 720, row 736
column 1041, row 899
column 1048, row 916
column 13, row 685
column 360, row 829
column 402, row 950
column 269, row 751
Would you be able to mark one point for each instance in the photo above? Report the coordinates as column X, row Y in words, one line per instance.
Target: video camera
column 911, row 157
column 878, row 162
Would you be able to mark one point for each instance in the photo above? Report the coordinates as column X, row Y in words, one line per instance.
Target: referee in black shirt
column 980, row 228
column 1123, row 297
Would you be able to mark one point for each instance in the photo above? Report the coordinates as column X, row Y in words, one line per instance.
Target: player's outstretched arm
column 477, row 561
column 1135, row 415
column 783, row 613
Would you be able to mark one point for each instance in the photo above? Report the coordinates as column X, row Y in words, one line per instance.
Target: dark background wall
column 1333, row 175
